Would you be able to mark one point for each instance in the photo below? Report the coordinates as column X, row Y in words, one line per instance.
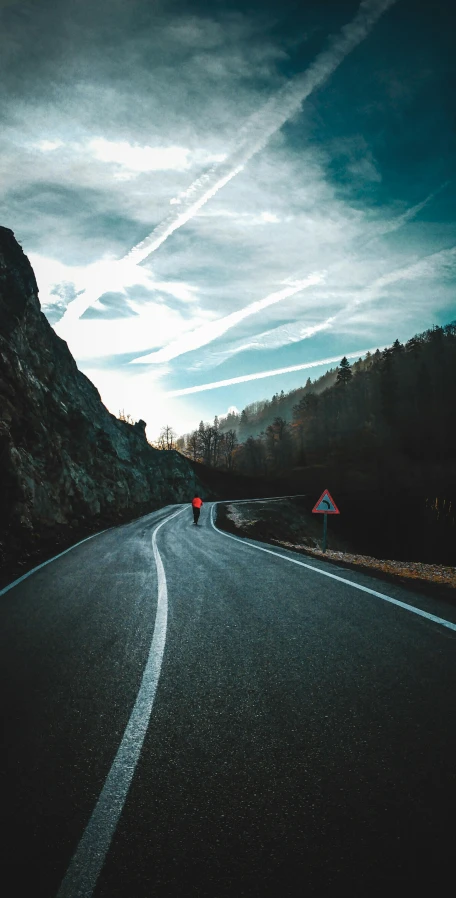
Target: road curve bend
column 187, row 713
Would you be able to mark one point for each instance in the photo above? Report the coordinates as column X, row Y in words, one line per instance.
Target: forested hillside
column 379, row 433
column 393, row 407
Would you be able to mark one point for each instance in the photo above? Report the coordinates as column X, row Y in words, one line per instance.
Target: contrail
column 252, row 137
column 259, row 374
column 445, row 258
column 287, row 333
column 425, row 267
column 262, row 125
column 394, row 224
column 274, row 338
column 209, row 332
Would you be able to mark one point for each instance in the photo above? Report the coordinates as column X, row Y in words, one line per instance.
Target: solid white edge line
column 265, row 499
column 372, row 592
column 84, row 868
column 44, row 563
column 55, row 557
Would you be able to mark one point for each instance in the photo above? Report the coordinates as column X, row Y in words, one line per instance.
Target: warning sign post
column 325, row 506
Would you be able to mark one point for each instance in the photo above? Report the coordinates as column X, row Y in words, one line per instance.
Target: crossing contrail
column 263, row 124
column 293, row 333
column 243, row 378
column 443, row 259
column 209, row 332
column 252, row 137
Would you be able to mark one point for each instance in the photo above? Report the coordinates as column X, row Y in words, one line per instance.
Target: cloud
column 214, row 329
column 276, row 338
column 257, row 131
column 443, row 261
column 295, row 332
column 338, row 189
column 243, row 378
column 388, row 227
column 140, row 158
column 47, row 146
column 110, row 306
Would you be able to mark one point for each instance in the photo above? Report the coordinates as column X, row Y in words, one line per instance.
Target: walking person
column 196, row 505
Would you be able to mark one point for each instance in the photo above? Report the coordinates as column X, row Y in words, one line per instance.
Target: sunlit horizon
column 263, row 189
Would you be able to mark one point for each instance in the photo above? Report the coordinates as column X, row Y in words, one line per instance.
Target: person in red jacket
column 196, row 505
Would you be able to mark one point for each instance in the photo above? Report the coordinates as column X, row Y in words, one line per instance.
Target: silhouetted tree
column 167, row 438
column 344, row 372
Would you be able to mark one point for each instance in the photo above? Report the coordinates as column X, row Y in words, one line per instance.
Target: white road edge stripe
column 310, row 567
column 44, row 563
column 264, row 499
column 85, row 866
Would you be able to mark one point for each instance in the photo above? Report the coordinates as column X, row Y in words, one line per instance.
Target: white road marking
column 55, row 557
column 85, row 866
column 44, row 563
column 372, row 592
column 266, row 499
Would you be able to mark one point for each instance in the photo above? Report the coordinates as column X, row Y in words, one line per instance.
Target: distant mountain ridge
column 67, row 466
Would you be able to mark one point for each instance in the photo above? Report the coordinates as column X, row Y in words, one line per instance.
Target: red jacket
column 197, row 502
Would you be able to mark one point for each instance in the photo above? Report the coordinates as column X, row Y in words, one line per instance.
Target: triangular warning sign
column 326, row 504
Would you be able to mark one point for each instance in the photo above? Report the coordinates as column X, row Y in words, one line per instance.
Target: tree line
column 392, row 406
column 211, row 445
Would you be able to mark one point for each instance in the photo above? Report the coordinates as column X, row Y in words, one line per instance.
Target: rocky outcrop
column 67, row 466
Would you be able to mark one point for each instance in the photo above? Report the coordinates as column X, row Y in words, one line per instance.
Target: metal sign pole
column 325, row 506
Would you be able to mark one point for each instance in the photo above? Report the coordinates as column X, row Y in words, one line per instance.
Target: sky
column 222, row 198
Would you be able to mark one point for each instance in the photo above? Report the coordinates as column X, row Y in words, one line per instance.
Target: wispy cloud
column 441, row 261
column 243, row 378
column 140, row 158
column 275, row 338
column 258, row 130
column 287, row 334
column 388, row 227
column 209, row 332
column 252, row 137
column 86, row 174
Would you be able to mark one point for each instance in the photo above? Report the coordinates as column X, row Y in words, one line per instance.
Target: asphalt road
column 229, row 724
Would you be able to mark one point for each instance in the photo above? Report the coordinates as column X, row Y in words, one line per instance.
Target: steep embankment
column 67, row 466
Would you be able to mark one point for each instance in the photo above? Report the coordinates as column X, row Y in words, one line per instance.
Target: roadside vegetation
column 378, row 433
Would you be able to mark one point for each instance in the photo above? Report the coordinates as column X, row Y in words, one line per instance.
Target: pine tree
column 344, row 372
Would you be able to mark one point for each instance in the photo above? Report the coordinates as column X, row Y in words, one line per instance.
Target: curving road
column 190, row 714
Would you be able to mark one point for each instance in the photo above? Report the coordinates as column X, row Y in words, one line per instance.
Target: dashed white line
column 85, row 866
column 372, row 592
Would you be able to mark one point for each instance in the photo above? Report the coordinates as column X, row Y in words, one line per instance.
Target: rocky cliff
column 67, row 466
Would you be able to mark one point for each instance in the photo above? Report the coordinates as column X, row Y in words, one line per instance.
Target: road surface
column 189, row 714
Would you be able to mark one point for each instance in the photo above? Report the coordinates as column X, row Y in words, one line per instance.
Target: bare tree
column 205, row 442
column 216, row 441
column 167, row 438
column 230, row 442
column 193, row 445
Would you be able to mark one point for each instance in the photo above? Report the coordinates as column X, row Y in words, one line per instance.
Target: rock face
column 67, row 466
